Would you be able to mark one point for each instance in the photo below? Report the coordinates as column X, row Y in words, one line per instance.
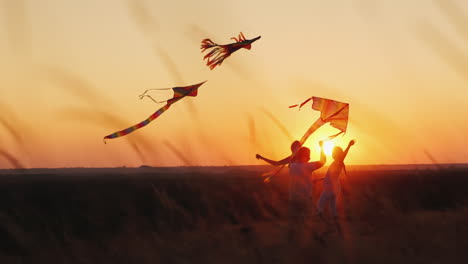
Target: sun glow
column 328, row 147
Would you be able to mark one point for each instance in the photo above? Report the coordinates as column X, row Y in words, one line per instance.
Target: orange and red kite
column 220, row 52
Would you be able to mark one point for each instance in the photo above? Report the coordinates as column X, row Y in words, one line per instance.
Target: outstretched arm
column 274, row 162
column 347, row 148
column 323, row 158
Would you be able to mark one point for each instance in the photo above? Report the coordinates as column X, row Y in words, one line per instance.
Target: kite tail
column 302, row 104
column 272, row 173
column 217, row 55
column 137, row 126
column 316, row 125
column 334, row 136
column 207, row 44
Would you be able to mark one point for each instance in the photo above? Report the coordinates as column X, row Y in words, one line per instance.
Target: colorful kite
column 333, row 112
column 220, row 52
column 179, row 93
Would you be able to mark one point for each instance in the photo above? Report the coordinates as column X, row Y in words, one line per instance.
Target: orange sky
column 72, row 72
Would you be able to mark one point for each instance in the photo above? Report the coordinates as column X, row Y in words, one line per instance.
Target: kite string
column 141, row 96
column 150, row 97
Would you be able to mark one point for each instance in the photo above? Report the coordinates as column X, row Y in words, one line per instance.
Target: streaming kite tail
column 302, row 104
column 207, row 44
column 316, row 125
column 139, row 125
column 334, row 136
column 271, row 174
column 217, row 55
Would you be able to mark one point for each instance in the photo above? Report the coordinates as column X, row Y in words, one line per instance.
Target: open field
column 228, row 215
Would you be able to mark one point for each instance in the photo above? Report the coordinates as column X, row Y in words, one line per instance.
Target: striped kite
column 220, row 52
column 331, row 111
column 179, row 93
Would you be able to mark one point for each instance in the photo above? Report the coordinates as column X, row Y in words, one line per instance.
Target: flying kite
column 331, row 111
column 220, row 52
column 179, row 93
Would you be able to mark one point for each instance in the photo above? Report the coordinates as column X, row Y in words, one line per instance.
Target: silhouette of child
column 331, row 181
column 300, row 188
column 300, row 171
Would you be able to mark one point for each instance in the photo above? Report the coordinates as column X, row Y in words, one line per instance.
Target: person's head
column 303, row 154
column 295, row 146
column 338, row 153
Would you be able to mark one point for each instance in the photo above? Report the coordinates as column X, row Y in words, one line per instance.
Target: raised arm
column 323, row 159
column 347, row 148
column 274, row 162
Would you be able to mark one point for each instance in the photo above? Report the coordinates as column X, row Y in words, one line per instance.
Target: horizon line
column 225, row 166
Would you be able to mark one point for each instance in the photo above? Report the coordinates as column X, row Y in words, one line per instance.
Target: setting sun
column 328, row 147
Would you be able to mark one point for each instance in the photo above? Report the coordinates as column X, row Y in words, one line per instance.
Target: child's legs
column 297, row 209
column 322, row 201
column 333, row 204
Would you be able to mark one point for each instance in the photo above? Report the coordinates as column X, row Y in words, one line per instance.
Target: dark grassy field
column 228, row 215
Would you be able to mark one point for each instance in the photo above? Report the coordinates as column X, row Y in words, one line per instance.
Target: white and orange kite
column 333, row 112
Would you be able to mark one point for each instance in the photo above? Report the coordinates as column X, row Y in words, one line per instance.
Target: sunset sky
column 72, row 70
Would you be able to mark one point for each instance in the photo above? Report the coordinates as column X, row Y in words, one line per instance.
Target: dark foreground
column 228, row 215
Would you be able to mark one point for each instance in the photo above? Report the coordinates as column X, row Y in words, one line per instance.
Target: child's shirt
column 300, row 185
column 331, row 182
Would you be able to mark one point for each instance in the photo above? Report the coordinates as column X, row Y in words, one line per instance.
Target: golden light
column 328, row 147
